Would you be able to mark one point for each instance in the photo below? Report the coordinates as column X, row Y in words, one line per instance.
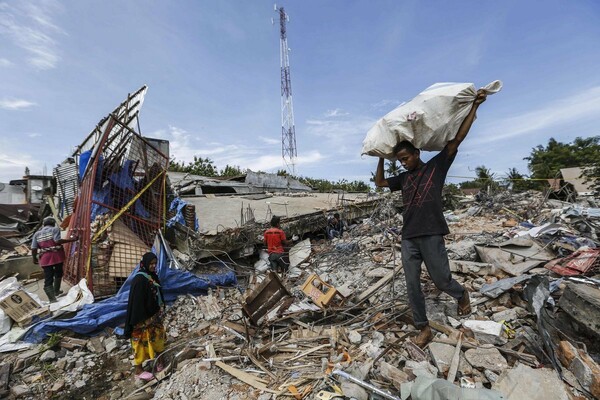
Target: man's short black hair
column 275, row 221
column 49, row 221
column 405, row 145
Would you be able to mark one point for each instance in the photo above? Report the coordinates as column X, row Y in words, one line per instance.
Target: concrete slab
column 220, row 212
column 524, row 382
column 37, row 288
column 582, row 303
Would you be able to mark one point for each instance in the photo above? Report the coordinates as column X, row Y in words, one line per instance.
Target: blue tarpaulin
column 116, row 192
column 178, row 205
column 93, row 318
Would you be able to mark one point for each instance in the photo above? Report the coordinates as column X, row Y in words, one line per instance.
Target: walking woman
column 143, row 323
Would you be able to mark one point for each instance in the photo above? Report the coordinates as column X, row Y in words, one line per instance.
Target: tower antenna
column 288, row 129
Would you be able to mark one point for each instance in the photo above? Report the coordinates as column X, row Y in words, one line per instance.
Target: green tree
column 546, row 162
column 392, row 168
column 516, row 181
column 486, row 177
column 325, row 186
column 474, row 184
column 232, row 170
column 200, row 166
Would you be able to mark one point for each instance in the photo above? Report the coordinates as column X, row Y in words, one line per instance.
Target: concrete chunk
column 442, row 354
column 582, row 303
column 524, row 382
column 486, row 358
column 581, row 365
column 48, row 355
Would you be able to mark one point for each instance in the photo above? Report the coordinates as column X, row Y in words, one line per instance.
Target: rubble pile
column 357, row 340
column 338, row 323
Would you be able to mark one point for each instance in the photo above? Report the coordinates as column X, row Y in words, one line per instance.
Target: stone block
column 523, row 382
column 486, row 358
column 566, row 353
column 582, row 303
column 442, row 354
column 20, row 391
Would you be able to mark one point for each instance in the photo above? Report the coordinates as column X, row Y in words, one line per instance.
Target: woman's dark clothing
column 145, row 296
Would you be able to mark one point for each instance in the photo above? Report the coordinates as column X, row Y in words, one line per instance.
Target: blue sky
column 212, row 68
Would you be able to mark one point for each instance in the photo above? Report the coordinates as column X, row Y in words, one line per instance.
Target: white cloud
column 12, row 166
column 185, row 145
column 577, row 107
column 343, row 135
column 338, row 112
column 5, row 63
column 34, row 135
column 269, row 140
column 30, row 27
column 386, row 104
column 271, row 162
column 15, row 104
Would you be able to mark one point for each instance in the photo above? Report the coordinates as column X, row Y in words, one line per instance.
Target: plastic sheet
column 111, row 312
column 424, row 388
column 495, row 289
column 178, row 205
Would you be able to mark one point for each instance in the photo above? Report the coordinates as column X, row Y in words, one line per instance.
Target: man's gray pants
column 432, row 251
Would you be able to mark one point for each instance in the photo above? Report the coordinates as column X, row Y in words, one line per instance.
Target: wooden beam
column 245, row 377
column 370, row 291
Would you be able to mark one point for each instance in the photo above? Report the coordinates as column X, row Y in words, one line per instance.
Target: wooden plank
column 444, row 329
column 309, row 352
column 370, row 291
column 245, row 377
column 455, row 359
column 259, row 364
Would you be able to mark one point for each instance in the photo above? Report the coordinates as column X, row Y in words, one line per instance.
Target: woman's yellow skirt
column 148, row 340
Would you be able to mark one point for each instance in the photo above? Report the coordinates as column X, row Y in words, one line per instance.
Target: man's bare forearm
column 380, row 181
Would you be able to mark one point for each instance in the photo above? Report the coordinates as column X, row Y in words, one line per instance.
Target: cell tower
column 288, row 129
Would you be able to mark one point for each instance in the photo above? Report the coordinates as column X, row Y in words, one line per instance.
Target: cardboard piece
column 22, row 308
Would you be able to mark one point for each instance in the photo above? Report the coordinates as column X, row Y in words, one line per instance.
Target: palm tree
column 486, row 177
column 393, row 169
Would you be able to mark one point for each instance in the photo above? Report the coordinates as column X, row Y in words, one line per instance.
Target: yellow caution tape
column 520, row 179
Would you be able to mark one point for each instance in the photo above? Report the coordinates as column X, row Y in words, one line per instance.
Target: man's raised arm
column 380, row 181
column 452, row 145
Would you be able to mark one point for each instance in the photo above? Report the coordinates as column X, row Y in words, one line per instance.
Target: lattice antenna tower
column 288, row 129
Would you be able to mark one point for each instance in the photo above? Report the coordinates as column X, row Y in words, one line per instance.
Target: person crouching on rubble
column 47, row 243
column 335, row 227
column 275, row 239
column 424, row 224
column 143, row 323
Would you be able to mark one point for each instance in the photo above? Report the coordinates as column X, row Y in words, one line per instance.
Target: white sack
column 8, row 287
column 428, row 121
column 5, row 322
column 77, row 296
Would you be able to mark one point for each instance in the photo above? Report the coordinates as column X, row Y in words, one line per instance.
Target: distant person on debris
column 143, row 323
column 424, row 223
column 335, row 227
column 48, row 245
column 275, row 239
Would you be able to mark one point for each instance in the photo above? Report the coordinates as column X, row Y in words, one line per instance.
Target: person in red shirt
column 275, row 240
column 48, row 244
